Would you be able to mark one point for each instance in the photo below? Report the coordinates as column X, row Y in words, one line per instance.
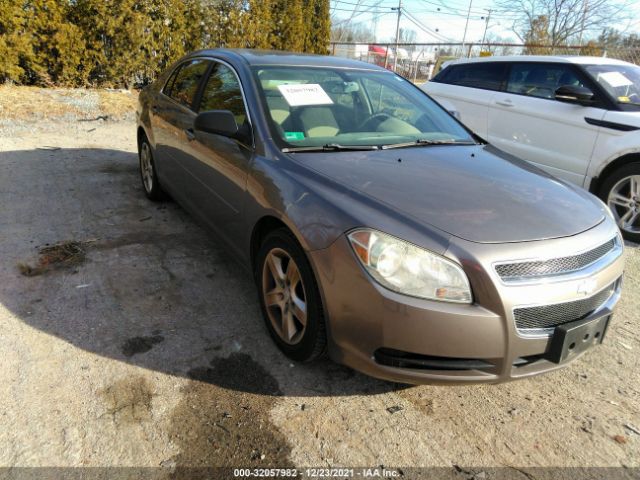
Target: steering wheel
column 372, row 121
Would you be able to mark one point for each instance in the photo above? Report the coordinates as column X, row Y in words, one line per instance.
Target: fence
column 420, row 61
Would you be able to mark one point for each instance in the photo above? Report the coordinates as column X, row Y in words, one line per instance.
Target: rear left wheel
column 150, row 184
column 289, row 297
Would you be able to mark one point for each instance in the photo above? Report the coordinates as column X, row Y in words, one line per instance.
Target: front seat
column 538, row 83
column 317, row 121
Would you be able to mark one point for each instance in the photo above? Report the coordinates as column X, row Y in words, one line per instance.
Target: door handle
column 191, row 135
column 505, row 103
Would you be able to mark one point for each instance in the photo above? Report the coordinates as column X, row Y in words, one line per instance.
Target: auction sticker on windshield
column 305, row 94
column 615, row 79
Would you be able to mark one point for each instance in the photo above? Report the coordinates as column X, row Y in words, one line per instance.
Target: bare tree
column 345, row 31
column 493, row 38
column 563, row 21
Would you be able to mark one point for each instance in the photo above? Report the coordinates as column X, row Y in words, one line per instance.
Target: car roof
column 575, row 59
column 282, row 58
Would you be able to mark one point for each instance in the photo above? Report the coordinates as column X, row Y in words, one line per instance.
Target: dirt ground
column 149, row 348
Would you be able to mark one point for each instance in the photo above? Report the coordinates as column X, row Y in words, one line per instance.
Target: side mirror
column 574, row 94
column 220, row 122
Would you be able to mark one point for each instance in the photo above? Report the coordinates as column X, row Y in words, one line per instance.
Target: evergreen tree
column 127, row 42
column 57, row 45
column 258, row 24
column 317, row 26
column 15, row 47
column 288, row 25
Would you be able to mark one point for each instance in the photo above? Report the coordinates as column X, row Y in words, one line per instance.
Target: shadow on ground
column 154, row 289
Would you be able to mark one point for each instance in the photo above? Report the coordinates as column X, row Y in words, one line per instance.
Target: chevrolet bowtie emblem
column 588, row 286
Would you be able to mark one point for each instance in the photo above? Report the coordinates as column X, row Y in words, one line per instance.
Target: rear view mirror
column 574, row 94
column 220, row 122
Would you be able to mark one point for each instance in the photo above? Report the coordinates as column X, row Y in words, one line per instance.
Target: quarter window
column 167, row 86
column 222, row 92
column 184, row 87
column 541, row 80
column 487, row 76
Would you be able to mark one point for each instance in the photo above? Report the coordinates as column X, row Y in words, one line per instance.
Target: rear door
column 172, row 118
column 470, row 87
column 527, row 121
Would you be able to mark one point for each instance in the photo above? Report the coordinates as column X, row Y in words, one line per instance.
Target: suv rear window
column 487, row 76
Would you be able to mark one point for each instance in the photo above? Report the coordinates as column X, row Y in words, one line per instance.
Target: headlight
column 606, row 209
column 405, row 268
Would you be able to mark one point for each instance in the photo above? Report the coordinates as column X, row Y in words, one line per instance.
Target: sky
column 444, row 19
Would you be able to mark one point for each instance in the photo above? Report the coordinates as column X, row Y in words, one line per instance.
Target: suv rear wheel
column 621, row 192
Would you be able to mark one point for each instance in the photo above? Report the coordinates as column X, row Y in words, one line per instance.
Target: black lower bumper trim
column 400, row 359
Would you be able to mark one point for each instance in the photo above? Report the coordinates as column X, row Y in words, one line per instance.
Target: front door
column 219, row 165
column 527, row 121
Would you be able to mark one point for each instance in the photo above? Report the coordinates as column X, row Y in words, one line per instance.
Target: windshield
column 315, row 107
column 621, row 81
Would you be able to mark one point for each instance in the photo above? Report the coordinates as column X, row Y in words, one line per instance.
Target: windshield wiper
column 330, row 147
column 423, row 142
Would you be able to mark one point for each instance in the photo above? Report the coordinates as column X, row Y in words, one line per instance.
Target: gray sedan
column 378, row 228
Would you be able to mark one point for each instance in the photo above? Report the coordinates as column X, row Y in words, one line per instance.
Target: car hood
column 477, row 193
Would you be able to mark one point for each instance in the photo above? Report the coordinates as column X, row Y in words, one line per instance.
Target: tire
column 281, row 299
column 621, row 192
column 147, row 168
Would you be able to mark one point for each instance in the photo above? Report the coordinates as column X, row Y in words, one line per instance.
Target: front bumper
column 411, row 340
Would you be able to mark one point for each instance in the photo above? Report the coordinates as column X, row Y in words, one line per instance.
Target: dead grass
column 34, row 103
column 53, row 257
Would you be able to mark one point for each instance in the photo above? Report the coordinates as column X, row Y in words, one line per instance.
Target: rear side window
column 487, row 76
column 187, row 79
column 222, row 92
column 541, row 79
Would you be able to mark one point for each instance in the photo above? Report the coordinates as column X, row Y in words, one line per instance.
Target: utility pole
column 486, row 26
column 395, row 57
column 466, row 25
column 584, row 18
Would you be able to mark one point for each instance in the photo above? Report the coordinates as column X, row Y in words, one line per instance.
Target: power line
column 423, row 27
column 360, row 4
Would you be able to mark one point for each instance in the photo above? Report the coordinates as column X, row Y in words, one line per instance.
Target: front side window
column 184, row 87
column 622, row 82
column 541, row 79
column 222, row 92
column 487, row 76
column 316, row 106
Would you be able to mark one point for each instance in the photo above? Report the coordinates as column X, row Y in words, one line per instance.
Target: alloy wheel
column 146, row 168
column 624, row 202
column 284, row 296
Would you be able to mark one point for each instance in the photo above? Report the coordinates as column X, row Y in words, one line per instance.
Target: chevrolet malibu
column 379, row 229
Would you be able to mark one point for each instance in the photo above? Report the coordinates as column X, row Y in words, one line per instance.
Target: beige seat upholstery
column 278, row 107
column 318, row 122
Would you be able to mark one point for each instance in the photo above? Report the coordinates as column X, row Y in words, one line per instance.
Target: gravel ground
column 149, row 349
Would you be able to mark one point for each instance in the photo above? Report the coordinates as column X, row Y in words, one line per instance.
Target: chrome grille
column 549, row 316
column 554, row 266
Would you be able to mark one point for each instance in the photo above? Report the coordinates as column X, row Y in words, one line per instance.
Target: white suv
column 578, row 118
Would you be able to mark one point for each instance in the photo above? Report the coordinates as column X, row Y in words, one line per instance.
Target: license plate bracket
column 573, row 338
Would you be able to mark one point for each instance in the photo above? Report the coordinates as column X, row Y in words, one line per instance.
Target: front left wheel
column 289, row 297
